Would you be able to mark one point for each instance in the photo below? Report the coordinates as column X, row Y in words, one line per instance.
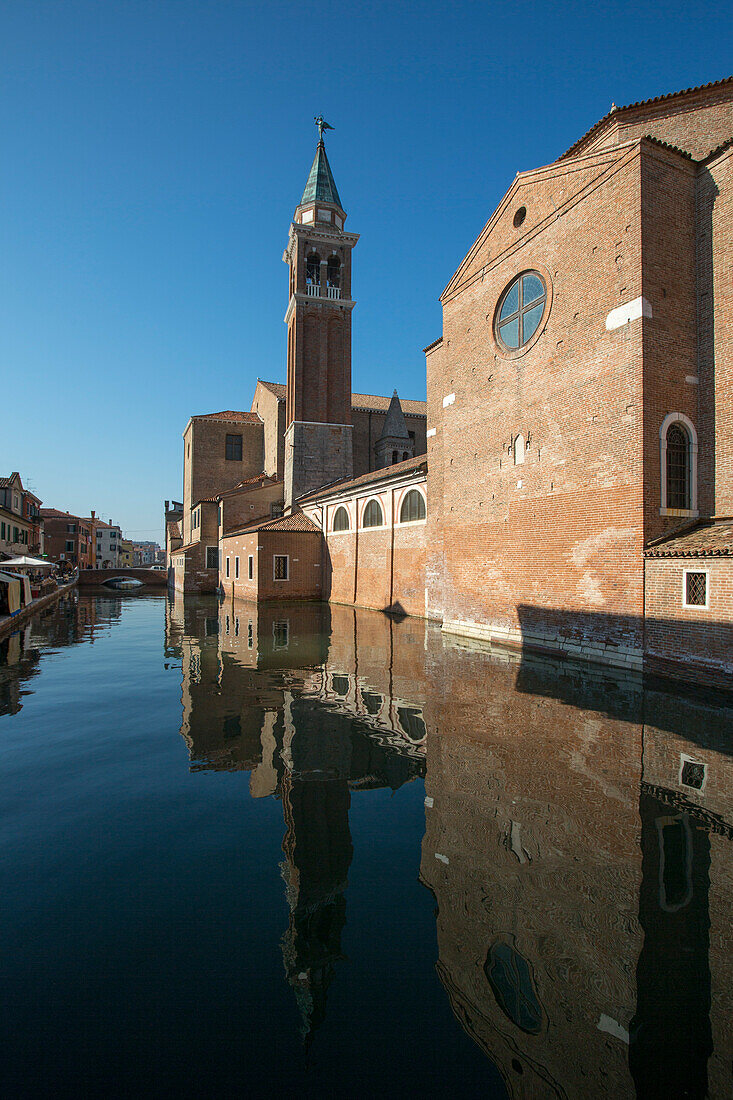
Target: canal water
column 316, row 851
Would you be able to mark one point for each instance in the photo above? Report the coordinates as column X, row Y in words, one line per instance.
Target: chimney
column 92, row 513
column 166, row 505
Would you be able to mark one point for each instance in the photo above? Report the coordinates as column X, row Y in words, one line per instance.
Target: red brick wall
column 379, row 567
column 249, row 507
column 697, row 123
column 695, row 636
column 715, row 333
column 304, row 574
column 553, row 544
column 669, row 285
column 367, row 430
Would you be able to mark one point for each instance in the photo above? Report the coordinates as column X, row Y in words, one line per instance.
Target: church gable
column 534, row 200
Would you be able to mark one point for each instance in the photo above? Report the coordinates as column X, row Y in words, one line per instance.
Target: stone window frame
column 250, row 567
column 286, row 557
column 695, row 606
column 335, row 510
column 401, row 500
column 236, row 567
column 517, row 353
column 373, row 527
column 669, row 420
column 227, row 566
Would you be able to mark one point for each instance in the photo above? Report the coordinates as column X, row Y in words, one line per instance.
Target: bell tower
column 318, row 432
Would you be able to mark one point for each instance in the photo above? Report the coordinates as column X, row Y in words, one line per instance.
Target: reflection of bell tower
column 318, row 436
column 318, row 853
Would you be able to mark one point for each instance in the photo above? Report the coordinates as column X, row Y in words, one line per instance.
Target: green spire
column 321, row 186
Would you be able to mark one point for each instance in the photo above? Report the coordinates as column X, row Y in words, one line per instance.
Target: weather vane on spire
column 322, row 125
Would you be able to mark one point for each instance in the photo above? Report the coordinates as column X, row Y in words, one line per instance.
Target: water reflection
column 578, row 827
column 577, row 841
column 298, row 697
column 570, row 815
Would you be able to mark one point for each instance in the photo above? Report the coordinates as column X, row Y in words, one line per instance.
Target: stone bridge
column 152, row 578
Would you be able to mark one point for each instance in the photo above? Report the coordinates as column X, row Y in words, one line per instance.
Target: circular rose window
column 520, row 310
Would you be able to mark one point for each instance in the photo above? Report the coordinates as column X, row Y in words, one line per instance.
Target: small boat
column 123, row 584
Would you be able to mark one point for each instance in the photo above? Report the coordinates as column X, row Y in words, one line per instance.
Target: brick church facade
column 570, row 489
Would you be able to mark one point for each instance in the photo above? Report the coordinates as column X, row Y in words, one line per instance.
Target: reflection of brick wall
column 532, row 838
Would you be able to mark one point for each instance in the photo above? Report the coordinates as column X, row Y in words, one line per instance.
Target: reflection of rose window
column 510, row 979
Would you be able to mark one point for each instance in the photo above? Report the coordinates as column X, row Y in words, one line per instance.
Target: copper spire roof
column 321, row 186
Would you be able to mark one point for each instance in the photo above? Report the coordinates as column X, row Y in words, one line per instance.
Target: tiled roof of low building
column 707, row 540
column 55, row 513
column 296, row 521
column 615, row 111
column 418, row 463
column 231, row 416
column 368, row 401
column 246, row 485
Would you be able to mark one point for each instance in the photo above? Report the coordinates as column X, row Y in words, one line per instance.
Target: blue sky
column 152, row 153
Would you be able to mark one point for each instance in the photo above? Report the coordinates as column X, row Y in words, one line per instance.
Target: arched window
column 313, row 270
column 341, row 519
column 413, row 507
column 373, row 514
column 678, row 467
column 333, row 272
column 678, row 464
column 405, row 456
column 519, row 450
column 394, row 457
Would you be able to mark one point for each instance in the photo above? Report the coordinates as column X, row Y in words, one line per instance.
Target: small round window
column 520, row 310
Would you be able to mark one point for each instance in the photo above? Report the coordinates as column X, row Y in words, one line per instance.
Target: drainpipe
column 391, row 551
column 356, row 548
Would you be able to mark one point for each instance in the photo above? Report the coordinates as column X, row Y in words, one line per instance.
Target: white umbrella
column 29, row 563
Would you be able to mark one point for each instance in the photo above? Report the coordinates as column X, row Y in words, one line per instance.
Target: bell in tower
column 318, row 435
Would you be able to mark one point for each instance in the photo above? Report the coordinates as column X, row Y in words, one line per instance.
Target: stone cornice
column 347, row 303
column 315, row 231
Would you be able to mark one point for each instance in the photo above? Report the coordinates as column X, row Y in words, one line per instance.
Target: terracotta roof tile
column 296, row 521
column 704, row 541
column 641, row 103
column 362, row 400
column 231, row 416
column 419, row 462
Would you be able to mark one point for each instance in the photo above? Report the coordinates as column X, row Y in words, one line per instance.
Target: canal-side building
column 108, row 540
column 572, row 491
column 69, row 538
column 21, row 527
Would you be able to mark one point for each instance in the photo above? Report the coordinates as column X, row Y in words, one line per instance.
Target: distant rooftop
column 367, row 401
